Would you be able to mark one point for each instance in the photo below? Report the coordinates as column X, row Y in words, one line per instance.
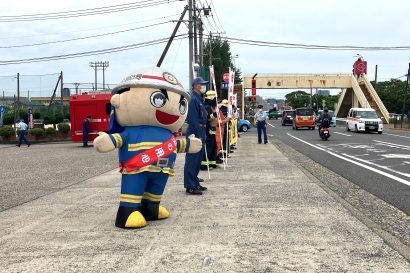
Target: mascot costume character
column 148, row 107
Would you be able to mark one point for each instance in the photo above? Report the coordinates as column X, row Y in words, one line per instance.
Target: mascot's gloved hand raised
column 148, row 107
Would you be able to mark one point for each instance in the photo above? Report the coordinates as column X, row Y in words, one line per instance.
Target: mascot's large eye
column 183, row 105
column 158, row 99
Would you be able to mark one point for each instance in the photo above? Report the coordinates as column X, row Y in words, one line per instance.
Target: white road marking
column 377, row 165
column 341, row 134
column 270, row 125
column 393, row 145
column 402, row 156
column 398, row 179
column 396, row 135
column 271, row 135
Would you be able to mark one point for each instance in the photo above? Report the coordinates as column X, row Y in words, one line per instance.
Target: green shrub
column 36, row 132
column 63, row 128
column 50, row 131
column 7, row 131
column 36, row 115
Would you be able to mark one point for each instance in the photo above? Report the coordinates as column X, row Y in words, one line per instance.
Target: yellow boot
column 135, row 220
column 163, row 213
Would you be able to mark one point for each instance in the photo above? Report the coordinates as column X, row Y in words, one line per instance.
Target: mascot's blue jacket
column 136, row 139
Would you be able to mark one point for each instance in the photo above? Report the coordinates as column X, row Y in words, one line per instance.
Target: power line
column 91, row 53
column 309, row 46
column 84, row 12
column 217, row 17
column 85, row 37
column 89, row 29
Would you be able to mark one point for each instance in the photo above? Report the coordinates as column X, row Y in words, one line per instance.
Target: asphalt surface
column 28, row 173
column 380, row 164
column 264, row 213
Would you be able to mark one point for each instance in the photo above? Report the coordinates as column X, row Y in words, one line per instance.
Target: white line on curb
column 398, row 179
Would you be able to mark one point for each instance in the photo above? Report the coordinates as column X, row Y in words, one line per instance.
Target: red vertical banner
column 253, row 87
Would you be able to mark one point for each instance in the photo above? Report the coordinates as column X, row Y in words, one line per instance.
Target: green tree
column 298, row 99
column 391, row 94
column 222, row 59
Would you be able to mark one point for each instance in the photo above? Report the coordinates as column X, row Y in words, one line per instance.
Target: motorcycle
column 324, row 133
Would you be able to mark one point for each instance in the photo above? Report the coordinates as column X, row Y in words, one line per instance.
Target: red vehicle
column 97, row 106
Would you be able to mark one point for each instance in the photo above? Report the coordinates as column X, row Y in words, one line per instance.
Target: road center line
column 398, row 179
column 341, row 134
column 396, row 135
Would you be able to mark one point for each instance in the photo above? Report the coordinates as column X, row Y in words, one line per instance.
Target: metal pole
column 375, row 76
column 28, row 95
column 243, row 100
column 61, row 90
column 103, row 75
column 161, row 59
column 15, row 112
column 405, row 95
column 95, row 79
column 201, row 47
column 191, row 43
column 18, row 95
column 195, row 34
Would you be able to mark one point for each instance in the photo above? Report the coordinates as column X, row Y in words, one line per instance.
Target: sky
column 331, row 22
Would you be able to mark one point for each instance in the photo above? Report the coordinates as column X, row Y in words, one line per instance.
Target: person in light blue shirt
column 22, row 126
column 260, row 118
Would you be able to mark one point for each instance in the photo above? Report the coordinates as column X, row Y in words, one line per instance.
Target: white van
column 364, row 120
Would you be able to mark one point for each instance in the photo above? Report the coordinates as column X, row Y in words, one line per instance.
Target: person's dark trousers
column 85, row 139
column 22, row 137
column 193, row 161
column 226, row 131
column 262, row 128
column 210, row 151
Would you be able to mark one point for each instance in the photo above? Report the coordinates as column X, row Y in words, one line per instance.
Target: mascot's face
column 150, row 106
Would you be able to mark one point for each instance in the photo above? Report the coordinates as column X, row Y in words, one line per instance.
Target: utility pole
column 61, row 95
column 191, row 42
column 28, row 95
column 195, row 34
column 375, row 76
column 210, row 48
column 201, row 48
column 405, row 96
column 103, row 66
column 18, row 95
column 76, row 84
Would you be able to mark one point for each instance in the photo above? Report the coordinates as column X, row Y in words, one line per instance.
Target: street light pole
column 405, row 95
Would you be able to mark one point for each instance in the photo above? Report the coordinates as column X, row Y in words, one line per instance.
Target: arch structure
column 356, row 91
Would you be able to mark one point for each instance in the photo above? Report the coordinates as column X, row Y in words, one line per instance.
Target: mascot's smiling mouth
column 165, row 118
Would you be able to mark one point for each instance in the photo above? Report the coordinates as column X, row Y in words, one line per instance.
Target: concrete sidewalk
column 252, row 219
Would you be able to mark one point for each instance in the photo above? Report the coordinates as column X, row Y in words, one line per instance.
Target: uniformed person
column 196, row 119
column 210, row 106
column 22, row 126
column 224, row 110
column 86, row 130
column 260, row 119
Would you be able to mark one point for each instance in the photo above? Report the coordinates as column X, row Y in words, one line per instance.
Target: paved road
column 379, row 164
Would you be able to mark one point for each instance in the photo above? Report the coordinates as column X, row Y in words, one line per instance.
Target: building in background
column 324, row 93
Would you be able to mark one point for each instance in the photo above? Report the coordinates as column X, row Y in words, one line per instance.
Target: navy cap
column 198, row 80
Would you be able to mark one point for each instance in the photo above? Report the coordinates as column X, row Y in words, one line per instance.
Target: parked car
column 287, row 117
column 332, row 121
column 304, row 117
column 244, row 125
column 364, row 120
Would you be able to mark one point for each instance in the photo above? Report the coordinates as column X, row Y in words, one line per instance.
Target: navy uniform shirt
column 197, row 117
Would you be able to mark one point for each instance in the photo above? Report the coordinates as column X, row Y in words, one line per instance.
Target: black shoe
column 259, row 142
column 266, row 142
column 17, row 145
column 204, row 168
column 201, row 188
column 219, row 161
column 194, row 191
column 199, row 179
column 28, row 145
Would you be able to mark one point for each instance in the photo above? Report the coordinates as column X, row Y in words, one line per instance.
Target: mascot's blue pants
column 142, row 188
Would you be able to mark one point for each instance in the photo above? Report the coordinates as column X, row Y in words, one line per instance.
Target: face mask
column 260, row 110
column 203, row 89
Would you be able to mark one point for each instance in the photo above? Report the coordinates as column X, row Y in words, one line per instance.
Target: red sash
column 149, row 156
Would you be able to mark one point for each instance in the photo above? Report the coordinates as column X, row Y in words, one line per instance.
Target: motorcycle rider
column 324, row 119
